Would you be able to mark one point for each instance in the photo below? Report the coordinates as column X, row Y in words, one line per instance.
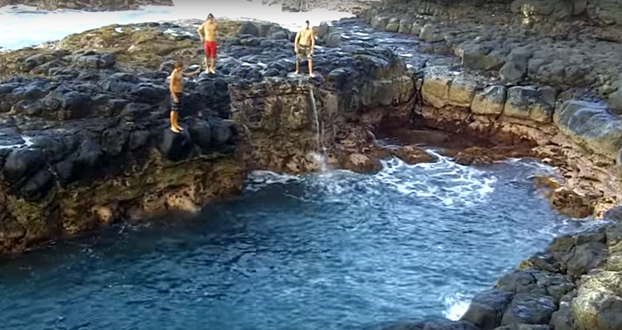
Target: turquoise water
column 336, row 250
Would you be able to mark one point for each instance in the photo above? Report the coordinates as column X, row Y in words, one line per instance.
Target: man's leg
column 212, row 67
column 206, row 58
column 173, row 118
column 297, row 65
column 310, row 60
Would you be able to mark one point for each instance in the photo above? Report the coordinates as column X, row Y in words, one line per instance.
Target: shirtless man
column 303, row 46
column 207, row 32
column 176, row 86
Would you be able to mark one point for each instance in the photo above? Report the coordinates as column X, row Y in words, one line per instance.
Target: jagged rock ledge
column 84, row 127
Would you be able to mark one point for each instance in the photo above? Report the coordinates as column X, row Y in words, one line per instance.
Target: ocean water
column 25, row 26
column 333, row 250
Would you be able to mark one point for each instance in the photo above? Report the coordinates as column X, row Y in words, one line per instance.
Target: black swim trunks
column 176, row 106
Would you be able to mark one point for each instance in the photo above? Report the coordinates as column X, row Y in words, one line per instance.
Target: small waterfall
column 319, row 156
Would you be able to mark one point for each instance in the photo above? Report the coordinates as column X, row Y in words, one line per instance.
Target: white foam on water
column 456, row 305
column 447, row 182
column 443, row 182
column 24, row 26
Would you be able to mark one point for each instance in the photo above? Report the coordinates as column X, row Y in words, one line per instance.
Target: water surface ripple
column 328, row 251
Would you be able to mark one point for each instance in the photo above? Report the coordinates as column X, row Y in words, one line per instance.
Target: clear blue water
column 329, row 251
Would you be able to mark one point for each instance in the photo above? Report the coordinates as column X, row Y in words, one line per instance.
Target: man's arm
column 200, row 31
column 192, row 73
column 171, row 84
column 296, row 41
column 312, row 41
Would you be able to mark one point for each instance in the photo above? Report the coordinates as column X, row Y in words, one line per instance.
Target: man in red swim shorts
column 208, row 32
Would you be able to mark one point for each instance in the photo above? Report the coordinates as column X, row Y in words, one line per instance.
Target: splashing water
column 456, row 305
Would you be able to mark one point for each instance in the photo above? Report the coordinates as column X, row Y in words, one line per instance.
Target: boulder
column 249, row 28
column 280, row 35
column 175, row 146
column 490, row 101
column 89, row 155
column 487, row 308
column 479, row 57
column 333, row 39
column 322, row 30
column 94, row 61
column 529, row 308
column 405, row 26
column 380, row 22
column 613, row 235
column 528, row 103
column 201, row 133
column 415, row 29
column 436, row 84
column 598, row 305
column 592, row 125
column 614, row 262
column 570, row 203
column 562, row 317
column 579, row 254
column 431, row 33
column 362, row 164
column 615, row 214
column 462, row 91
column 512, row 72
column 615, row 101
column 413, row 155
column 21, row 164
column 393, row 25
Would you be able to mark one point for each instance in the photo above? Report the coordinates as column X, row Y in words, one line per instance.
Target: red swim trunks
column 210, row 49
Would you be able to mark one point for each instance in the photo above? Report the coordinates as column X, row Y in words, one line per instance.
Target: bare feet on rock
column 174, row 129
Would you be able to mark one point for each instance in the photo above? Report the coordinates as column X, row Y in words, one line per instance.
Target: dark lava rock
column 175, row 146
column 249, row 28
column 614, row 214
column 529, row 308
column 139, row 139
column 21, row 163
column 201, row 134
column 487, row 308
